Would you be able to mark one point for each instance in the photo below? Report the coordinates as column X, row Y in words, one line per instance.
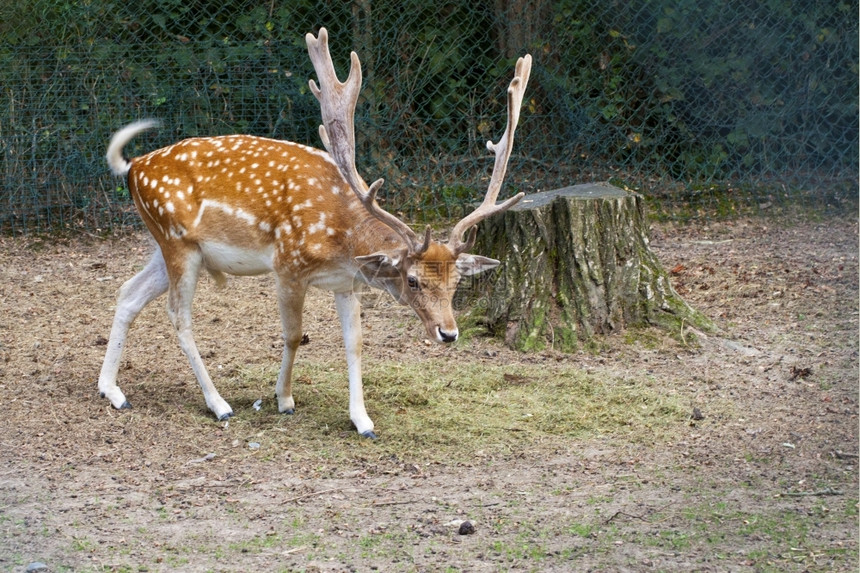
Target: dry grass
column 430, row 409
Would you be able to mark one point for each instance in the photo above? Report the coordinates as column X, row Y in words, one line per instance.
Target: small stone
column 254, row 445
column 36, row 566
column 466, row 528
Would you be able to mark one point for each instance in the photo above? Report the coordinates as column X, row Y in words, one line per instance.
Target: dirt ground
column 769, row 484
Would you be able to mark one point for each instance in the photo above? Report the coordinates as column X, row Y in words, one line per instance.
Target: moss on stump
column 575, row 263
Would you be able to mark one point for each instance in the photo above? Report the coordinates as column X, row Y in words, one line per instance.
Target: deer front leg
column 134, row 295
column 180, row 295
column 349, row 311
column 291, row 300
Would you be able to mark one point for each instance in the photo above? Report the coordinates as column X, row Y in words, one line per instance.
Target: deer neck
column 369, row 235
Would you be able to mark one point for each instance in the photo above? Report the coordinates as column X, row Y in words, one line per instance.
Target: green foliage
column 715, row 90
column 762, row 94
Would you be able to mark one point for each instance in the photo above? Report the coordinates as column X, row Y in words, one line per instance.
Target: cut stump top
column 582, row 191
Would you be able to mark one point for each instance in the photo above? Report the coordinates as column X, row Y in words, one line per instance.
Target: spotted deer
column 247, row 205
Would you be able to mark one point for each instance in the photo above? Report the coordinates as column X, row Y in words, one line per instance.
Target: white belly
column 335, row 281
column 237, row 260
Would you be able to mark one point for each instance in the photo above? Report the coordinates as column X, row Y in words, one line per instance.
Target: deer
column 247, row 205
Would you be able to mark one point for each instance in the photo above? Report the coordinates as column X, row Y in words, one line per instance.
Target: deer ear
column 469, row 265
column 379, row 266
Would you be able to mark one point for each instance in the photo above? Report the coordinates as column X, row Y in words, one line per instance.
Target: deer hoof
column 289, row 411
column 369, row 435
column 226, row 416
column 124, row 406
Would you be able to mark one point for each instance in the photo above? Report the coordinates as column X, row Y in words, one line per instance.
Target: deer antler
column 337, row 104
column 502, row 149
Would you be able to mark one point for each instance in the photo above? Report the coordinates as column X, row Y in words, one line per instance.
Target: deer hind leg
column 183, row 282
column 134, row 295
column 349, row 311
column 291, row 299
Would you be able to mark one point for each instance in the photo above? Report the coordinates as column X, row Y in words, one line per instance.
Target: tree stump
column 575, row 263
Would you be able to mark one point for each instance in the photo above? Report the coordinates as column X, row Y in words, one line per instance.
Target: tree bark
column 520, row 24
column 575, row 263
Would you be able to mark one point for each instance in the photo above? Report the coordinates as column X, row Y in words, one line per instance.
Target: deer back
column 252, row 204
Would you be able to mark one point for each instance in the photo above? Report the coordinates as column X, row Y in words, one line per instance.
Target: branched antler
column 502, row 149
column 337, row 104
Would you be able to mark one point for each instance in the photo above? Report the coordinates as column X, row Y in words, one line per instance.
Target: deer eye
column 413, row 282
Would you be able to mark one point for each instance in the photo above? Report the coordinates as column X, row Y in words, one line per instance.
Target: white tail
column 246, row 205
column 118, row 164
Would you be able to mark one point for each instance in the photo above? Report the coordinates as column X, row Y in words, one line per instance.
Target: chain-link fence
column 705, row 105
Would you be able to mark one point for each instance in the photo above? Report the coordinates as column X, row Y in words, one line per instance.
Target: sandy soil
column 769, row 485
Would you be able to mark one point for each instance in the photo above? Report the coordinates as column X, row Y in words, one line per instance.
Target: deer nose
column 446, row 336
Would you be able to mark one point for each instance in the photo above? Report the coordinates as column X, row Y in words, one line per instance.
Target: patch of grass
column 582, row 529
column 677, row 540
column 260, row 542
column 384, row 544
column 597, row 500
column 83, row 544
column 520, row 548
column 432, row 408
column 765, row 538
column 774, row 537
column 176, row 560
